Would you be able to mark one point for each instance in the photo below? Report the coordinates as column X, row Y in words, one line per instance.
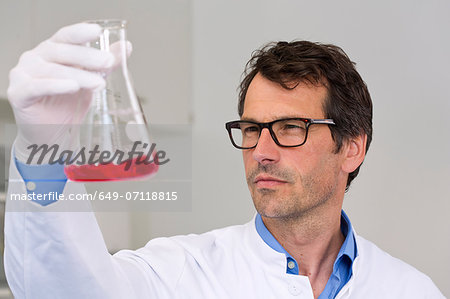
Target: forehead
column 266, row 100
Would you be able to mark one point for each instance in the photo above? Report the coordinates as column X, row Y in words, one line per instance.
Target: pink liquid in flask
column 111, row 171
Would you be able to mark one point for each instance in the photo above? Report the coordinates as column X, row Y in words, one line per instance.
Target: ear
column 355, row 151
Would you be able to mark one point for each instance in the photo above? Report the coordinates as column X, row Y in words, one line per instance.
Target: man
column 305, row 126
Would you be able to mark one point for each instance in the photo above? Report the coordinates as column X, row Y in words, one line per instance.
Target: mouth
column 264, row 181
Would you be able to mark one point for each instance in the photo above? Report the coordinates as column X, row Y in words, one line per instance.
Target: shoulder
column 390, row 275
column 181, row 246
column 381, row 259
column 217, row 238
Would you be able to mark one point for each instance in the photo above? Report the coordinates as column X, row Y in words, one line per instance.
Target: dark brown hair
column 348, row 100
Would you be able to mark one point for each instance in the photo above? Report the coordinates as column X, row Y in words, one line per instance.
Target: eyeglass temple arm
column 323, row 121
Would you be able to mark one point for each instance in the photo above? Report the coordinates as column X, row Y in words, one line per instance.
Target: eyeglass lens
column 287, row 132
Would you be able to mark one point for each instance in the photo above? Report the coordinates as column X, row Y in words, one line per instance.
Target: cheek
column 247, row 158
column 309, row 163
column 301, row 160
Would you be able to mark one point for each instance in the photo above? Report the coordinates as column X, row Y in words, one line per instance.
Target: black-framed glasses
column 286, row 132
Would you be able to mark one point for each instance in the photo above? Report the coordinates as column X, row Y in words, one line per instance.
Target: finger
column 118, row 50
column 50, row 70
column 80, row 33
column 27, row 94
column 21, row 78
column 75, row 55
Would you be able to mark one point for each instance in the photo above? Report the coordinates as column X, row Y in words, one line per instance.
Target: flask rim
column 109, row 23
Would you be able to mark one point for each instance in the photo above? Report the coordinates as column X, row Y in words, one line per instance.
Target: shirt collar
column 267, row 236
column 348, row 248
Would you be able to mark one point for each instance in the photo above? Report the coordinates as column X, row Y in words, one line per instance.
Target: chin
column 271, row 207
column 278, row 206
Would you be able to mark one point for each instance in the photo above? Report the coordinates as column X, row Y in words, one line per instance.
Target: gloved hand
column 53, row 81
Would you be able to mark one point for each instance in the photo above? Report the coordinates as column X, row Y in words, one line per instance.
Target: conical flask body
column 112, row 140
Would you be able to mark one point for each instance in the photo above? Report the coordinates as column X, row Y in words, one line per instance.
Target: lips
column 265, row 181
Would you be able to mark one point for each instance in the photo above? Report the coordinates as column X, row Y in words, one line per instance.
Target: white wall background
column 401, row 199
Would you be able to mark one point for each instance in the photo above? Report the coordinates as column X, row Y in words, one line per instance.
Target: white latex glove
column 52, row 81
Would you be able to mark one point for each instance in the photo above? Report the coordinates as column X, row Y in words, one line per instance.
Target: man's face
column 289, row 182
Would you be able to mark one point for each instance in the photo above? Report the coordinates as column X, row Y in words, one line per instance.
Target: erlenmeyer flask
column 113, row 141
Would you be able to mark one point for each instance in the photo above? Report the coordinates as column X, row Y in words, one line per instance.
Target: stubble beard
column 298, row 202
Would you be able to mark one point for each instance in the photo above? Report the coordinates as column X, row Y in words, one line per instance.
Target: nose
column 266, row 151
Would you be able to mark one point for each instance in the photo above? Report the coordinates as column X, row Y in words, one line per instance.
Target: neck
column 313, row 239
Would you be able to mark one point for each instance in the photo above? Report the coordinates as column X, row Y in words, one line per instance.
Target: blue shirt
column 342, row 268
column 43, row 180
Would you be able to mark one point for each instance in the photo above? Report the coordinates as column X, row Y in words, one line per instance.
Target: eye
column 293, row 126
column 290, row 126
column 250, row 129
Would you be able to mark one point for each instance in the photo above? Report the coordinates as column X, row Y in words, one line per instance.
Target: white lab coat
column 63, row 255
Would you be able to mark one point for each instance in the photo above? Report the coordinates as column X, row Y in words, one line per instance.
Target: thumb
column 121, row 51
